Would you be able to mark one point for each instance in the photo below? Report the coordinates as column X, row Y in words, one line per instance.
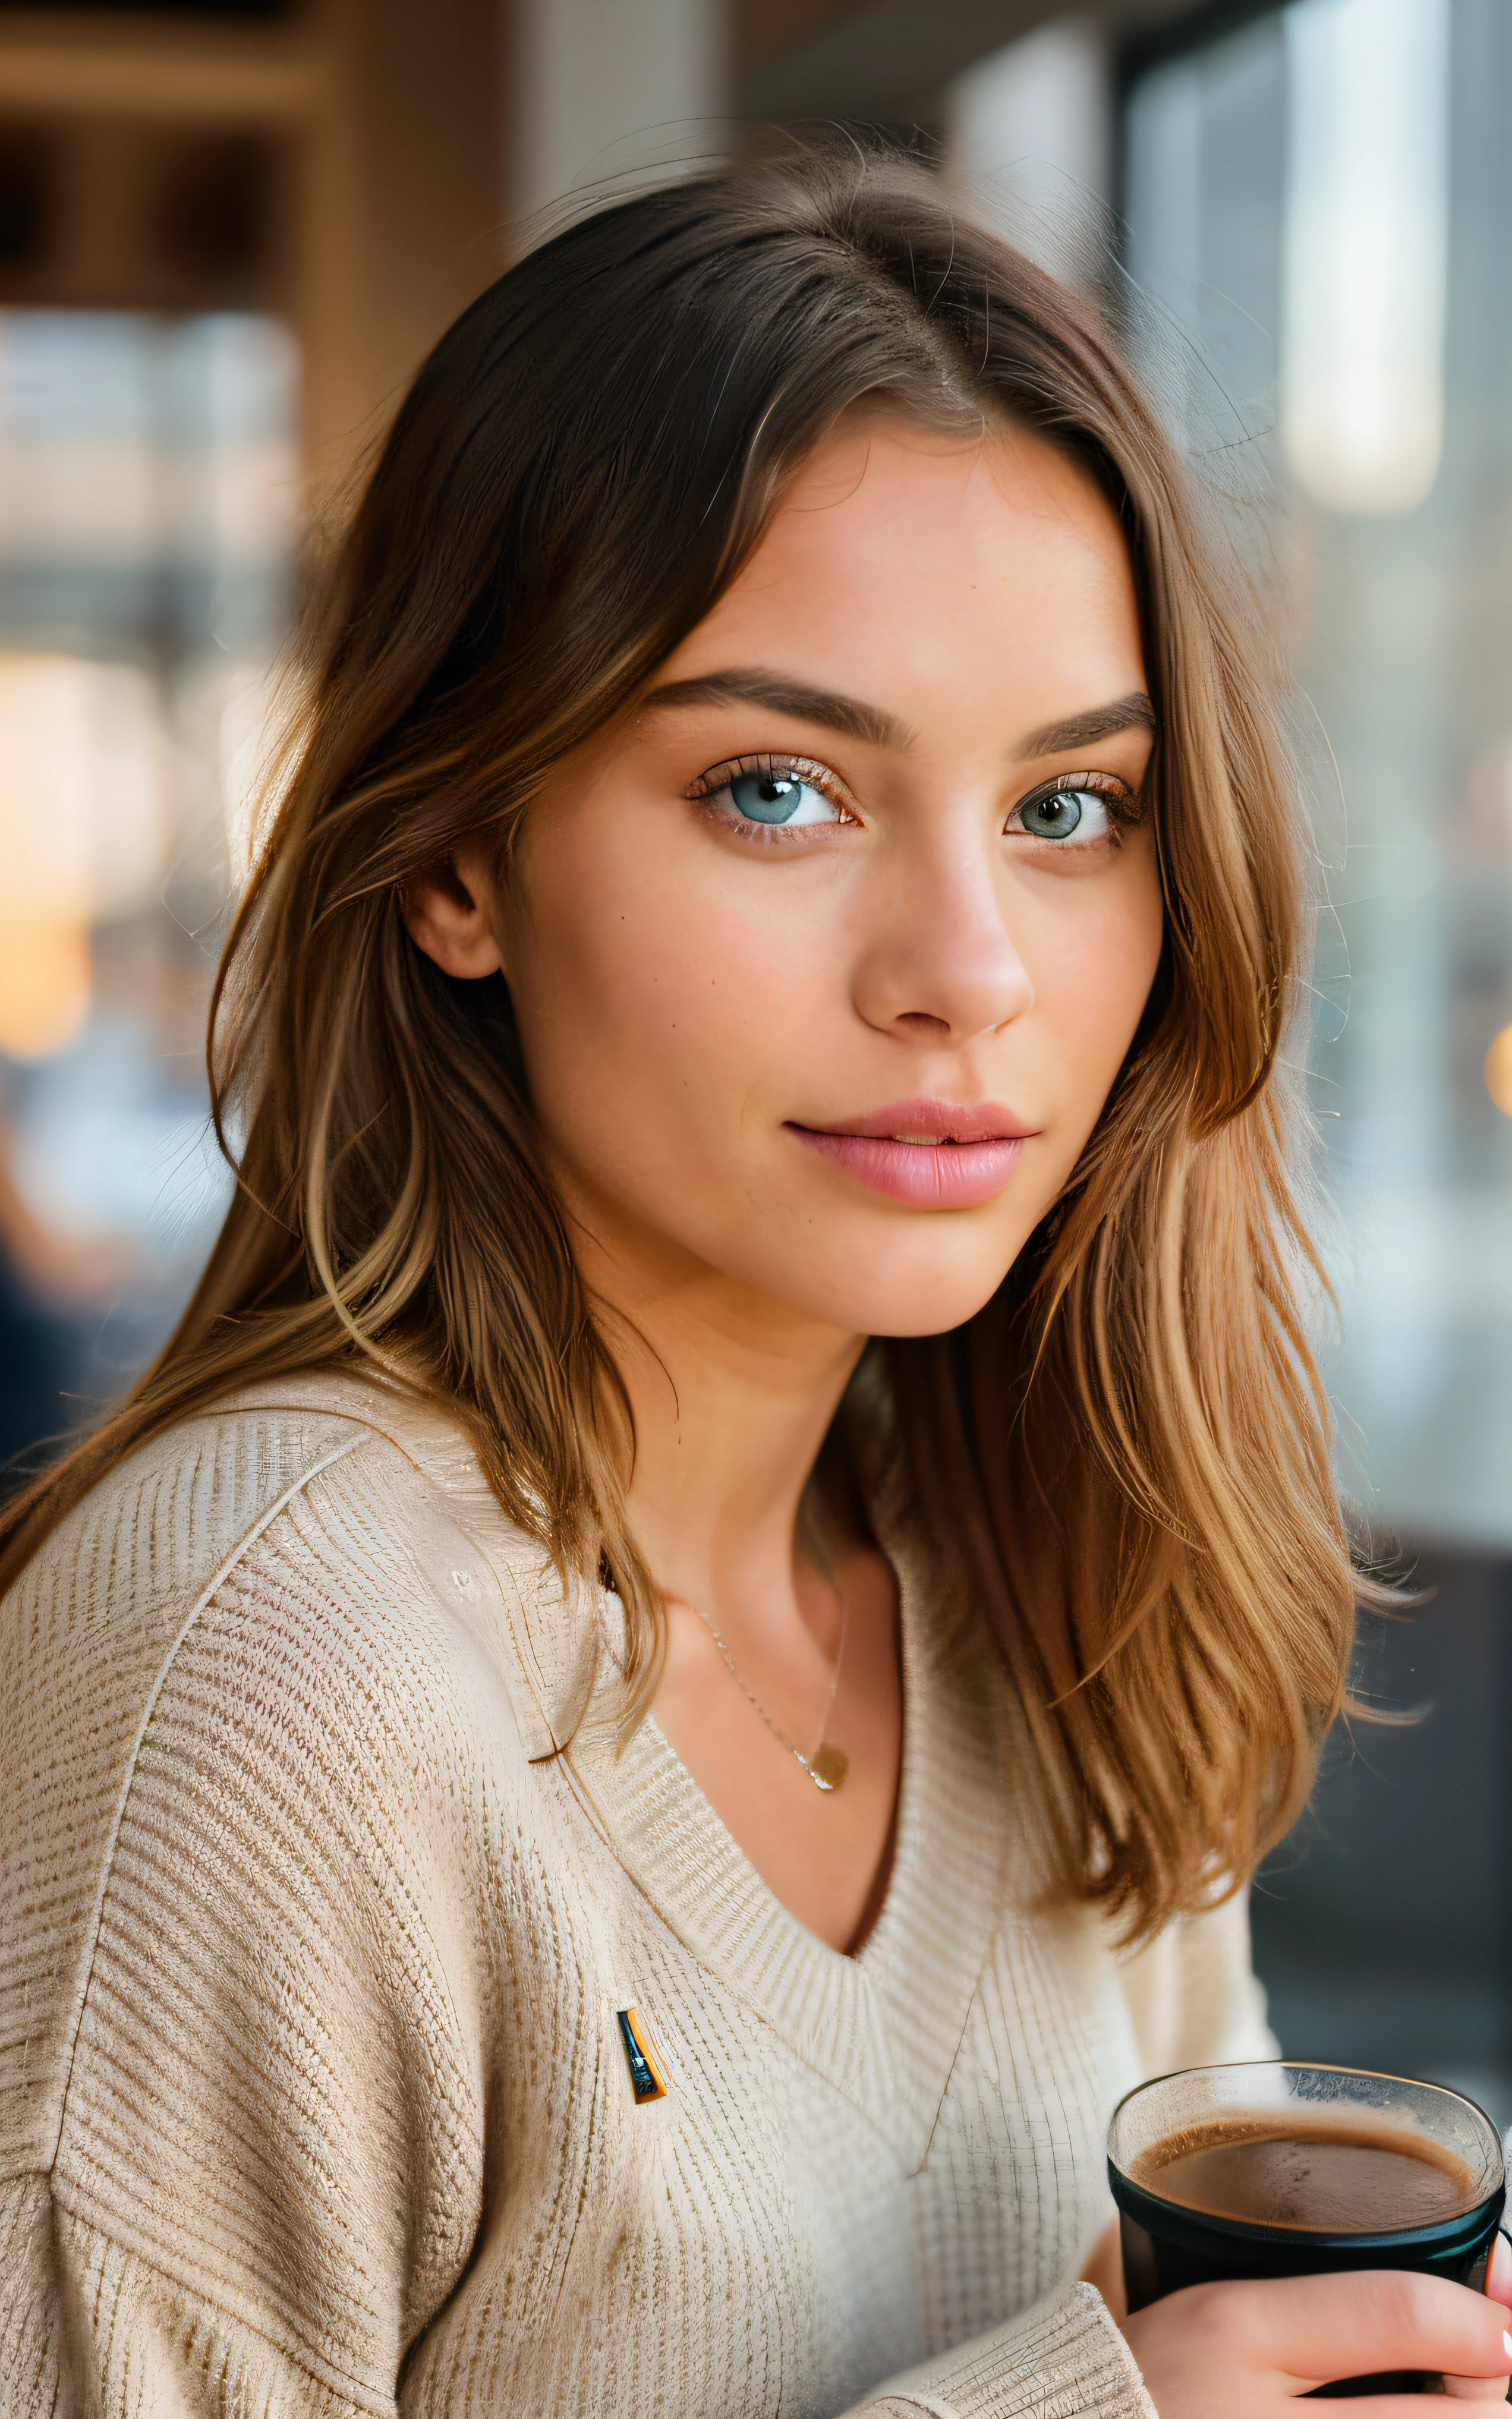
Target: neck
column 732, row 1394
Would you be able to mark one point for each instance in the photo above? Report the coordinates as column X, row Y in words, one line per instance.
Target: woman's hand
column 1244, row 2351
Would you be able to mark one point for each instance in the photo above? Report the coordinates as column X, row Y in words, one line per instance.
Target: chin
column 898, row 1318
column 913, row 1292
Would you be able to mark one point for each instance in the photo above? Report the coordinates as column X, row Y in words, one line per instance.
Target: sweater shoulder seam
column 235, row 1554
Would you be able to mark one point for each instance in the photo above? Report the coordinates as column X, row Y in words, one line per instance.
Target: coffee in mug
column 1277, row 2169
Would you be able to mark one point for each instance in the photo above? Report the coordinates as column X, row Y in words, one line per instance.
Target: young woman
column 742, row 1505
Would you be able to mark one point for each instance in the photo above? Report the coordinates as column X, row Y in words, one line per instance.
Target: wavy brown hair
column 1131, row 1439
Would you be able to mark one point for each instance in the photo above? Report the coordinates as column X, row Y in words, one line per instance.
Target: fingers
column 1498, row 2289
column 1323, row 2327
column 1217, row 2351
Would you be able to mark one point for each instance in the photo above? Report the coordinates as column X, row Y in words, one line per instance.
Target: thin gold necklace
column 827, row 1765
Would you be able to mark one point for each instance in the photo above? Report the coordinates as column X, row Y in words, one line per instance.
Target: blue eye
column 767, row 797
column 1064, row 814
column 780, row 796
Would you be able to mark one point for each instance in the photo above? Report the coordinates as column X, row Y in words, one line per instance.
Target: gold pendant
column 829, row 1767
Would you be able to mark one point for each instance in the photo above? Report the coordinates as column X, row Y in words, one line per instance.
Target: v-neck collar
column 884, row 2026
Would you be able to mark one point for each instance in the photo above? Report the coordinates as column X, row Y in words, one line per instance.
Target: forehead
column 898, row 552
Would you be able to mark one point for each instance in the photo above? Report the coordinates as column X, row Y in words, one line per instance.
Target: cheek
column 650, row 1010
column 1091, row 967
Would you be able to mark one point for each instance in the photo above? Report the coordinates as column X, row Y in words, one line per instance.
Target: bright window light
column 1027, row 144
column 1365, row 261
column 83, row 830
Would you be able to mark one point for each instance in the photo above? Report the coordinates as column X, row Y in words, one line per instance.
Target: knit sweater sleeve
column 1063, row 2358
column 266, row 2168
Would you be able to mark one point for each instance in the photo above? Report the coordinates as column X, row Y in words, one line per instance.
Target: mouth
column 930, row 1154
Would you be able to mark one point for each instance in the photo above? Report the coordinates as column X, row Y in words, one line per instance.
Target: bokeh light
column 1498, row 1070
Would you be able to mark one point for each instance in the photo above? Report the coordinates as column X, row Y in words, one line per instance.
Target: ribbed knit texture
column 312, row 2096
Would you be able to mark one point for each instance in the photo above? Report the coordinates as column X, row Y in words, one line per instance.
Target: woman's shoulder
column 175, row 1519
column 325, row 1507
column 297, row 1618
column 1193, row 1995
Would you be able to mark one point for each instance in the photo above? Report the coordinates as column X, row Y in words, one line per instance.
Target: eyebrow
column 850, row 714
column 860, row 720
column 1132, row 713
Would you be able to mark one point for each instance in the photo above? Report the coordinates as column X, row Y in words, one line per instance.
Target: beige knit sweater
column 313, row 2096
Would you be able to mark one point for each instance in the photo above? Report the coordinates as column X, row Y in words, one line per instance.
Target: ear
column 448, row 918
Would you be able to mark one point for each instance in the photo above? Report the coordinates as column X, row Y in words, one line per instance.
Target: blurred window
column 149, row 495
column 1318, row 205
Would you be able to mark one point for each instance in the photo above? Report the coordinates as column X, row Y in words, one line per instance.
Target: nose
column 938, row 963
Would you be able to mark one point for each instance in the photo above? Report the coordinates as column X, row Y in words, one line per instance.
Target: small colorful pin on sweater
column 647, row 2081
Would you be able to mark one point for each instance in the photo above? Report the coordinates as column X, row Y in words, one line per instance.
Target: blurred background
column 228, row 231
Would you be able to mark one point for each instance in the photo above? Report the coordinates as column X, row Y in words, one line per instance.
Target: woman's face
column 825, row 960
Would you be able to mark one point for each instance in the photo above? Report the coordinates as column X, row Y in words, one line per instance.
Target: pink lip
column 967, row 1159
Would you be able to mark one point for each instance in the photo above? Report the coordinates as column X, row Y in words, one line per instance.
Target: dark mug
column 1281, row 2170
